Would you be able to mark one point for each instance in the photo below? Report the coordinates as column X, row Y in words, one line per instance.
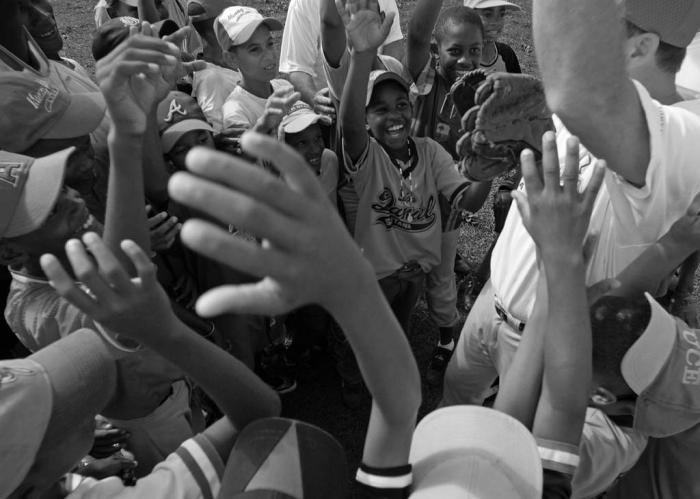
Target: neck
column 262, row 89
column 661, row 86
column 489, row 52
column 213, row 55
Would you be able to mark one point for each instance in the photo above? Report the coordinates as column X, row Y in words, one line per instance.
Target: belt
column 508, row 318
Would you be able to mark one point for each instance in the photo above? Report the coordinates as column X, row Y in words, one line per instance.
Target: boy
column 246, row 41
column 397, row 177
column 458, row 33
column 496, row 56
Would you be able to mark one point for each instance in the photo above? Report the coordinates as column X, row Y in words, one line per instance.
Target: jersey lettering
column 406, row 218
column 8, row 173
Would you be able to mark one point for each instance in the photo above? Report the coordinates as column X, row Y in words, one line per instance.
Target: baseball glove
column 502, row 114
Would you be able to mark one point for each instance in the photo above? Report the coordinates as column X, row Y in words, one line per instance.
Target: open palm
column 364, row 25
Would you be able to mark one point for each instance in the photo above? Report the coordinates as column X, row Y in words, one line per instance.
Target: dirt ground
column 317, row 399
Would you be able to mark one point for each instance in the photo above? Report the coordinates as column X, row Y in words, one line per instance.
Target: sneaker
column 281, row 384
column 351, row 394
column 438, row 364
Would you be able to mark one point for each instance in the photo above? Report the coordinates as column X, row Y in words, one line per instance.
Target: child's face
column 494, row 19
column 459, row 49
column 309, row 143
column 193, row 138
column 69, row 218
column 42, row 26
column 257, row 58
column 389, row 115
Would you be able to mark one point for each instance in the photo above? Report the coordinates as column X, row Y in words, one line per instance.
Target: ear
column 12, row 255
column 231, row 58
column 641, row 48
column 601, row 396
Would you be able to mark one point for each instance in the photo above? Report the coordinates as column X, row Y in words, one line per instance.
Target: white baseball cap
column 299, row 118
column 487, row 4
column 474, row 452
column 235, row 25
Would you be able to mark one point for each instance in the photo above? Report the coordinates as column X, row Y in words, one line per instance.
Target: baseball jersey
column 398, row 217
column 505, row 61
column 193, row 471
column 628, row 219
column 242, row 109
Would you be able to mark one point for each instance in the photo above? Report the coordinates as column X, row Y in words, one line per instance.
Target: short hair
column 668, row 57
column 456, row 16
column 616, row 323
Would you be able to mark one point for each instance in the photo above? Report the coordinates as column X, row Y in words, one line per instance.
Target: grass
column 317, row 400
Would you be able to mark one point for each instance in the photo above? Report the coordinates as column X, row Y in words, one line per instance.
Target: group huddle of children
column 332, row 217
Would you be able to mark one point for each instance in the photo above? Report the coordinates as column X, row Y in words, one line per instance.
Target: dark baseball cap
column 675, row 21
column 115, row 31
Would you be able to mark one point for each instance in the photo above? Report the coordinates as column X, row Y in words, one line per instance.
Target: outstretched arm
column 306, row 252
column 579, row 47
column 366, row 32
column 333, row 41
column 420, row 30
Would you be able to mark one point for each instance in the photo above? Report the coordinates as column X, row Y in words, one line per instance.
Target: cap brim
column 40, row 192
column 487, row 4
column 131, row 3
column 644, row 360
column 303, row 121
column 83, row 115
column 172, row 134
column 474, row 436
column 385, row 76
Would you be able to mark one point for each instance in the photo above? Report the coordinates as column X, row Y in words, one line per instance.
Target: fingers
column 65, row 285
column 591, row 192
column 259, row 298
column 571, row 167
column 179, row 36
column 86, row 272
column 145, row 268
column 531, row 174
column 156, row 219
column 108, row 265
column 294, row 169
column 550, row 161
column 246, row 256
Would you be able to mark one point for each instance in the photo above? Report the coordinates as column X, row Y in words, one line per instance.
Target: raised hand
column 307, row 255
column 136, row 308
column 276, row 107
column 553, row 211
column 323, row 104
column 365, row 26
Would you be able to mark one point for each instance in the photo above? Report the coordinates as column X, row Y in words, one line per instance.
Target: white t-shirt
column 242, row 109
column 301, row 39
column 328, row 175
column 211, row 87
column 628, row 219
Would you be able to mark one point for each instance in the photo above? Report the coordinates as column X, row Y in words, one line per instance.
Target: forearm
column 519, row 390
column 148, row 11
column 237, row 391
column 155, row 173
column 126, row 214
column 304, row 84
column 382, row 354
column 352, row 115
column 333, row 40
column 475, row 196
column 420, row 29
column 648, row 270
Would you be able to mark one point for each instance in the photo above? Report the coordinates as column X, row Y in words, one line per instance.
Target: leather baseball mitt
column 502, row 114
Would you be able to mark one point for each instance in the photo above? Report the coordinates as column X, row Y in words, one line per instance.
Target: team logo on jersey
column 405, row 217
column 9, row 173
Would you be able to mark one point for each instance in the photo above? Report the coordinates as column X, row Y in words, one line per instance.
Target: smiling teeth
column 395, row 128
column 88, row 222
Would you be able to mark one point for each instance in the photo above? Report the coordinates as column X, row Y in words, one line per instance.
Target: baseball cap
column 476, row 452
column 46, row 396
column 108, row 36
column 381, row 75
column 487, row 4
column 675, row 21
column 34, row 108
column 299, row 118
column 663, row 368
column 283, row 458
column 235, row 25
column 29, row 189
column 201, row 10
column 178, row 114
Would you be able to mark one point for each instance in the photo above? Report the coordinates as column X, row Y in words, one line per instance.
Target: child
column 245, row 38
column 301, row 129
column 458, row 33
column 496, row 56
column 397, row 177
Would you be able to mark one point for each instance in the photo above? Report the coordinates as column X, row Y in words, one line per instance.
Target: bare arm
column 155, row 174
column 304, row 84
column 333, row 41
column 420, row 29
column 579, row 47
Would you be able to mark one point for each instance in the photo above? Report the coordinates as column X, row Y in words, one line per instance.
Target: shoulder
column 280, row 83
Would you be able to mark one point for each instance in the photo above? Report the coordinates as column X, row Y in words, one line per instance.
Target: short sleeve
column 329, row 172
column 211, row 87
column 300, row 39
column 395, row 34
column 426, row 79
column 450, row 183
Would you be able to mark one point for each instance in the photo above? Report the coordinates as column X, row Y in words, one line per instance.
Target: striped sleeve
column 558, row 456
column 384, row 483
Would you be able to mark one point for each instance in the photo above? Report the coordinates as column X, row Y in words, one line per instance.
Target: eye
column 476, row 52
column 454, row 52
